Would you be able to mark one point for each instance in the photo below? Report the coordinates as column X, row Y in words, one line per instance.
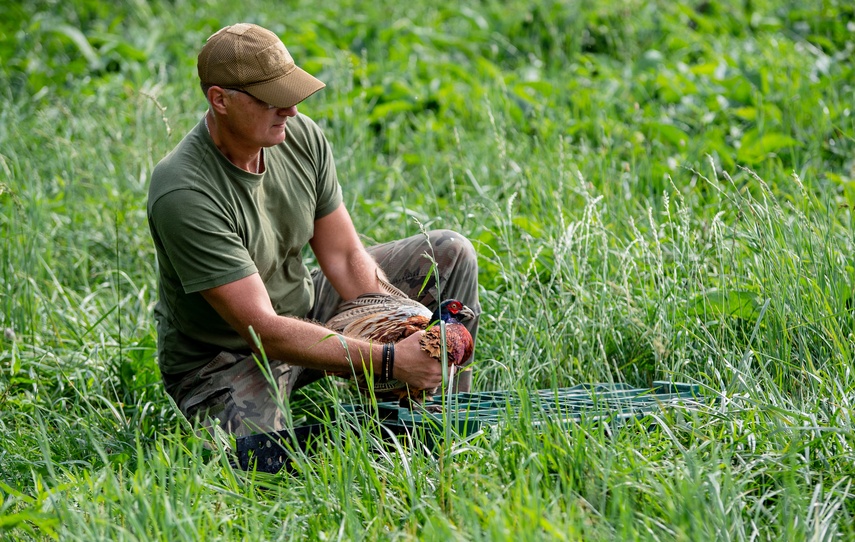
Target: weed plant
column 656, row 190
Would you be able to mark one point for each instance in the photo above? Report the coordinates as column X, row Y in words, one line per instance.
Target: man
column 230, row 210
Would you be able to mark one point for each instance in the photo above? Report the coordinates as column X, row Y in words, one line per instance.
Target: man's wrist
column 387, row 362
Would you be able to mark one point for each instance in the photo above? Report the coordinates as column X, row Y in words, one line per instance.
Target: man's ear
column 217, row 97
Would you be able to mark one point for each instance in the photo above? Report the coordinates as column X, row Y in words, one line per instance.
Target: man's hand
column 414, row 366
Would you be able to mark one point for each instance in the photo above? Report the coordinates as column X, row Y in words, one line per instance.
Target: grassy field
column 657, row 191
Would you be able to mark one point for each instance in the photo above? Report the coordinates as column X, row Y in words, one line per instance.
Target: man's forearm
column 310, row 345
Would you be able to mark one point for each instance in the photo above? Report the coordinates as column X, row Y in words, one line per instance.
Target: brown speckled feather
column 380, row 317
column 458, row 342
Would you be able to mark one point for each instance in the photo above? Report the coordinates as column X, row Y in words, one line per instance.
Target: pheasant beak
column 465, row 314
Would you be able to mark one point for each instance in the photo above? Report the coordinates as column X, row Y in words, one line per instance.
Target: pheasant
column 392, row 316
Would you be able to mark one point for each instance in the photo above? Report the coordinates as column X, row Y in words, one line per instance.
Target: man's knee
column 451, row 247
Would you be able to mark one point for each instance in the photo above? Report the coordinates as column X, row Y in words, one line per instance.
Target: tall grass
column 656, row 191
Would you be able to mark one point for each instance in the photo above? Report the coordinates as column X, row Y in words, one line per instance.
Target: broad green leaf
column 383, row 111
column 767, row 144
column 528, row 225
column 668, row 133
column 80, row 41
column 746, row 113
column 726, row 303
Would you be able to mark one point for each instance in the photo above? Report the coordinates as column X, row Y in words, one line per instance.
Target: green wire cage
column 464, row 414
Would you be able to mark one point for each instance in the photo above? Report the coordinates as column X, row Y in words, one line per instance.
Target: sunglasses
column 261, row 102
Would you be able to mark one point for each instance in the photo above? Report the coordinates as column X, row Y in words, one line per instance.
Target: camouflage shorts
column 245, row 399
column 234, row 390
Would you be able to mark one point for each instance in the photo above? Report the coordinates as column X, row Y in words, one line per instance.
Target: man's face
column 256, row 122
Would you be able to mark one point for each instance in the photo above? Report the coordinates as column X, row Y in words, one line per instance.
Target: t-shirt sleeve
column 198, row 242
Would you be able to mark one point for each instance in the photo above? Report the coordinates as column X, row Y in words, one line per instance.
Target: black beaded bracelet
column 385, row 371
column 391, row 360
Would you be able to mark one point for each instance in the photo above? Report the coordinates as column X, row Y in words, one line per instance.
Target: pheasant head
column 452, row 311
column 458, row 340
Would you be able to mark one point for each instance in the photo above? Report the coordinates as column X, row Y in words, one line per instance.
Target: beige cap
column 253, row 59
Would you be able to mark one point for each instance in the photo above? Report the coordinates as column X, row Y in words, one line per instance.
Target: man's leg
column 233, row 391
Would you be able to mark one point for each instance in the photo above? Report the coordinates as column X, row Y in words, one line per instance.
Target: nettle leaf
column 529, row 225
column 754, row 150
column 667, row 133
column 388, row 109
column 80, row 41
column 716, row 304
column 746, row 113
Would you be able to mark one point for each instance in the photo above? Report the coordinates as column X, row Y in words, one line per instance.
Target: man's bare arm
column 342, row 256
column 244, row 303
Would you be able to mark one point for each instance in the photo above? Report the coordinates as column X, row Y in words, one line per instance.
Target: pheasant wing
column 380, row 317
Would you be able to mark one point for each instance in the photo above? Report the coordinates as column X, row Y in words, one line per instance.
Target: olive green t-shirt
column 214, row 223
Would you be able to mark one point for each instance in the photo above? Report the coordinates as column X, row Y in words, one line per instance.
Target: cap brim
column 287, row 90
